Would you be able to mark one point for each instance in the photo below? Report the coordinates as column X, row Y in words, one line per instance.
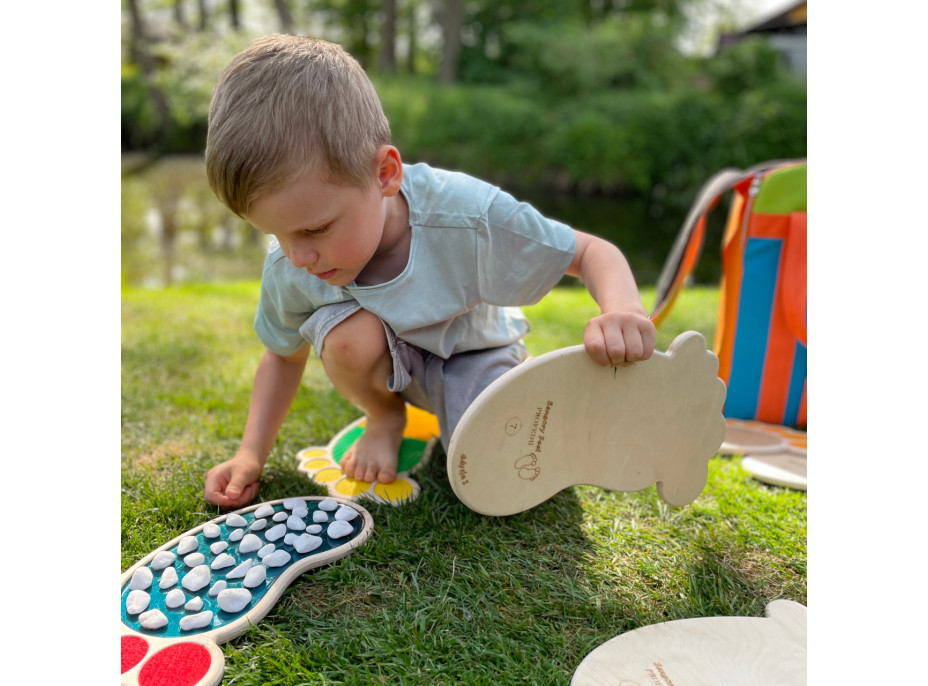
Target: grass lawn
column 438, row 594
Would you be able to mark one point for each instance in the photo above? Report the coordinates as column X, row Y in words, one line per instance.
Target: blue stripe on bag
column 761, row 262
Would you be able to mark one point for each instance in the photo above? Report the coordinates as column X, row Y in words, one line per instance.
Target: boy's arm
column 234, row 483
column 623, row 332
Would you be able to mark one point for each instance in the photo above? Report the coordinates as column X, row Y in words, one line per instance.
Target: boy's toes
column 386, row 476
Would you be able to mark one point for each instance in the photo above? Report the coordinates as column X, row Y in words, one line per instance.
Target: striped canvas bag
column 761, row 339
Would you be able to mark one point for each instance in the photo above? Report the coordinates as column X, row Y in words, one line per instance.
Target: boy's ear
column 389, row 170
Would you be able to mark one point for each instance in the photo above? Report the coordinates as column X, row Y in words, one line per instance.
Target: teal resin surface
column 221, row 618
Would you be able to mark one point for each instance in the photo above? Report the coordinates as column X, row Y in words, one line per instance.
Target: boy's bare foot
column 375, row 454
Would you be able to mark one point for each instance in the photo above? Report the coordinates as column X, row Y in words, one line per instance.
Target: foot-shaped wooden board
column 210, row 584
column 322, row 465
column 707, row 651
column 560, row 419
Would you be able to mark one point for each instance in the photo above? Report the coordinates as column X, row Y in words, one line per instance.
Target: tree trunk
column 179, row 16
column 387, row 62
column 452, row 18
column 284, row 15
column 138, row 53
column 204, row 15
column 412, row 32
column 235, row 15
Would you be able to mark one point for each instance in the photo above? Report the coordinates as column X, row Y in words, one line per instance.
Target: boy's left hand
column 619, row 338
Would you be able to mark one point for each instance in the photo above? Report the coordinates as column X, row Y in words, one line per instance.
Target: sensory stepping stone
column 560, row 419
column 176, row 610
column 322, row 465
column 770, row 453
column 705, row 651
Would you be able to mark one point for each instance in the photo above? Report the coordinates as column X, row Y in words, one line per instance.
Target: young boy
column 406, row 280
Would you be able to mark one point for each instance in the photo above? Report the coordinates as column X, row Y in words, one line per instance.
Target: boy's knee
column 357, row 343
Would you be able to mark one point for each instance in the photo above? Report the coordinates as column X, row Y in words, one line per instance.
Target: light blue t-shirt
column 476, row 255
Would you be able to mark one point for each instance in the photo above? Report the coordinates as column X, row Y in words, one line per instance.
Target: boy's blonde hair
column 287, row 105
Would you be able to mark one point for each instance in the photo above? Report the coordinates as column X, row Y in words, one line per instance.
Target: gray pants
column 444, row 387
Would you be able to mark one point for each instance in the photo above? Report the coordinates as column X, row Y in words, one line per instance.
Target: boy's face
column 331, row 231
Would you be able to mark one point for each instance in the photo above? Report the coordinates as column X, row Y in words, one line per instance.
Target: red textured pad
column 133, row 650
column 181, row 664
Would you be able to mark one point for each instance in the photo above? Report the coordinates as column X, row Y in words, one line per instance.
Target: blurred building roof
column 791, row 20
column 785, row 31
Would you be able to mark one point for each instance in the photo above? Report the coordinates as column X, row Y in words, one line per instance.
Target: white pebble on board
column 233, row 599
column 197, row 621
column 255, row 576
column 153, row 620
column 137, row 601
column 168, row 578
column 196, row 578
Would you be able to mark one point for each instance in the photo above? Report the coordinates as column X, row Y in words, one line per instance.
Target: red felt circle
column 133, row 650
column 181, row 664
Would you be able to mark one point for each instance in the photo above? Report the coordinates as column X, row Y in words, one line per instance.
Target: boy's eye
column 315, row 232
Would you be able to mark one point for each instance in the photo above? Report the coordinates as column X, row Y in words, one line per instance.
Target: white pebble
column 187, row 545
column 313, row 529
column 195, row 604
column 211, row 530
column 218, row 547
column 296, row 523
column 236, row 520
column 168, row 578
column 240, row 571
column 194, row 559
column 141, row 579
column 255, row 576
column 300, row 511
column 280, row 516
column 346, row 514
column 338, row 529
column 234, row 599
column 236, row 535
column 137, row 601
column 257, row 525
column 264, row 511
column 197, row 621
column 222, row 561
column 306, row 543
column 163, row 559
column 267, row 550
column 153, row 619
column 249, row 544
column 293, row 503
column 174, row 598
column 277, row 559
column 290, row 538
column 218, row 588
column 320, row 517
column 196, row 578
column 275, row 532
column 328, row 505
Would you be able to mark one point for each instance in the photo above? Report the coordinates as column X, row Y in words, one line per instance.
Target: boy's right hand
column 233, row 483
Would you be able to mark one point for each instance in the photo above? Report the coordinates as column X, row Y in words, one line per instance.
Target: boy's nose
column 302, row 257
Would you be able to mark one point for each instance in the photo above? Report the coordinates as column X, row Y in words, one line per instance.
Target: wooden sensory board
column 322, row 464
column 560, row 420
column 705, row 651
column 196, row 659
column 770, row 453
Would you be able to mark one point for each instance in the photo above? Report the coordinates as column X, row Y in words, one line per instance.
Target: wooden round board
column 740, row 440
column 560, row 419
column 779, row 469
column 706, row 651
